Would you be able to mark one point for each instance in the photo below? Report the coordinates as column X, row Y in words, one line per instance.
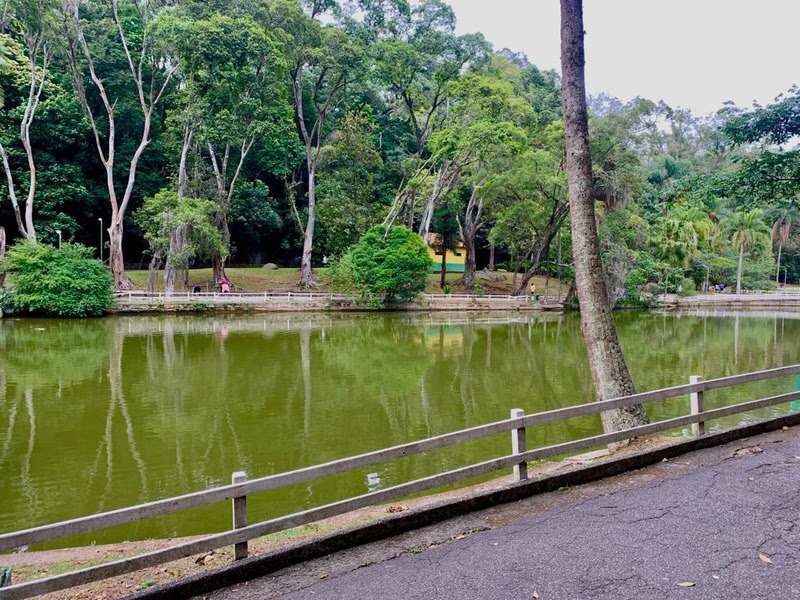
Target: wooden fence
column 241, row 488
column 240, row 297
column 144, row 296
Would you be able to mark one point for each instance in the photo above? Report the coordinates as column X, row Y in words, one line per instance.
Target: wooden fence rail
column 241, row 488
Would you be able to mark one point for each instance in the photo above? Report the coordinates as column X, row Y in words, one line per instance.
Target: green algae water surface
column 101, row 414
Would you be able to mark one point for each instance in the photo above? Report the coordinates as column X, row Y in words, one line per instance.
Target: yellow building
column 454, row 259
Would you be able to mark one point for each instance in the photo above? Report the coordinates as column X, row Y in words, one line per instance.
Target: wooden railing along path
column 241, row 488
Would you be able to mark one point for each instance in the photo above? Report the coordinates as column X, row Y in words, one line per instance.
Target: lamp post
column 58, row 231
column 101, row 238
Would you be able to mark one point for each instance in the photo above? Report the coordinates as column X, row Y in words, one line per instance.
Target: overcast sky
column 690, row 53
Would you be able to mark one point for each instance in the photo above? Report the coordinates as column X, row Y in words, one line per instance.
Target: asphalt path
column 716, row 524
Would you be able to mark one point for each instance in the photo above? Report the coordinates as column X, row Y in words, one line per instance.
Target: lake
column 105, row 413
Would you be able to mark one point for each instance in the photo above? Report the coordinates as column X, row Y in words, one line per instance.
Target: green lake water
column 101, row 414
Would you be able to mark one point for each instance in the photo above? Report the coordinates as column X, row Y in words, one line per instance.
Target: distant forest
column 214, row 132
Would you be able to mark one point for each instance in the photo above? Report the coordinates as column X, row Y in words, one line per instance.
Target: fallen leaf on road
column 686, row 584
column 323, row 575
column 765, row 558
column 748, row 451
column 751, row 479
column 535, row 594
column 460, row 536
column 715, row 576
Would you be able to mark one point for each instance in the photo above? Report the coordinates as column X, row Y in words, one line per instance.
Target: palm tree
column 747, row 229
column 672, row 241
column 780, row 233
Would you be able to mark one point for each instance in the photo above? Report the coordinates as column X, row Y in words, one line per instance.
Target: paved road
column 701, row 519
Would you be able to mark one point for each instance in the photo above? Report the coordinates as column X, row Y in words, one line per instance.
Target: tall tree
column 747, row 230
column 350, row 170
column 30, row 24
column 606, row 360
column 417, row 64
column 769, row 174
column 324, row 63
column 484, row 135
column 180, row 229
column 127, row 23
column 233, row 77
column 538, row 179
column 781, row 229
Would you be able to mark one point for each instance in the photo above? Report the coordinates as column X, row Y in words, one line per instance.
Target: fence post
column 518, row 446
column 239, row 515
column 696, row 403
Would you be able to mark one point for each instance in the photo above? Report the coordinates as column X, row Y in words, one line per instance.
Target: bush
column 65, row 282
column 687, row 286
column 6, row 301
column 385, row 267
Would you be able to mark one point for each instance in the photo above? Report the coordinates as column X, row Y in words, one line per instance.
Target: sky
column 692, row 54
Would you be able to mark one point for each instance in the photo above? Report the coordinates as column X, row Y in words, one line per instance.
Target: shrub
column 386, row 267
column 687, row 286
column 6, row 301
column 65, row 282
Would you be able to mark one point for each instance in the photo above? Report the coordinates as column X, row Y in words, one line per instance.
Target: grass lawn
column 255, row 279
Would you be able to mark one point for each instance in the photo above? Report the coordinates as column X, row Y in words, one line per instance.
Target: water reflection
column 99, row 414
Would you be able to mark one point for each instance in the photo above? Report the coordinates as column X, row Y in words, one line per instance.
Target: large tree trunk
column 470, row 267
column 177, row 244
column 152, row 271
column 306, row 271
column 739, row 270
column 778, row 271
column 149, row 95
column 606, row 361
column 12, row 194
column 469, row 231
column 444, row 265
column 116, row 263
column 2, row 254
column 536, row 260
column 217, row 261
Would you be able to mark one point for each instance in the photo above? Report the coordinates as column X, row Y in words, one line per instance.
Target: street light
column 101, row 238
column 58, row 231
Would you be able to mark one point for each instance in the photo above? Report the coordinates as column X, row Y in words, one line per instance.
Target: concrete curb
column 396, row 524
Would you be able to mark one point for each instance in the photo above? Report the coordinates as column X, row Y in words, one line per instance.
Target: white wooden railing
column 778, row 292
column 143, row 296
column 241, row 488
